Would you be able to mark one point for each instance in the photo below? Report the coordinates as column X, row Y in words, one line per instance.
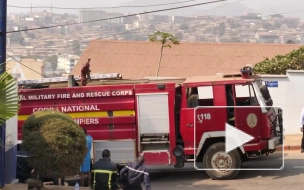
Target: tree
column 9, row 97
column 281, row 63
column 268, row 26
column 166, row 39
column 55, row 142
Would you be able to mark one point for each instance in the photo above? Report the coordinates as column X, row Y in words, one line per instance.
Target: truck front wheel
column 216, row 162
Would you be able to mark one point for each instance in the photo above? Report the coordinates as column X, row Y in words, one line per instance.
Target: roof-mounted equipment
column 246, row 72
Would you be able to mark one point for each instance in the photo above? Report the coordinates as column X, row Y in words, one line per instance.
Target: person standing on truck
column 86, row 166
column 105, row 173
column 302, row 125
column 85, row 72
column 136, row 174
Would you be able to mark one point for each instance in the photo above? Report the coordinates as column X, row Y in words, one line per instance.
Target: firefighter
column 136, row 173
column 85, row 72
column 105, row 173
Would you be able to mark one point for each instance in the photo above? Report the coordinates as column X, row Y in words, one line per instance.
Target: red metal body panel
column 94, row 108
column 170, row 89
column 241, row 122
column 157, row 158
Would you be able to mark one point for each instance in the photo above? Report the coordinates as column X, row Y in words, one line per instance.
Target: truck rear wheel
column 218, row 161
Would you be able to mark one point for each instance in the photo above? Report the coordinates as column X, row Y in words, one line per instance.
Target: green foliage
column 55, row 142
column 166, row 39
column 281, row 63
column 9, row 104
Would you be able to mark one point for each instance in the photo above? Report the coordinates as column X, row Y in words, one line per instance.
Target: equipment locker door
column 153, row 126
column 153, row 114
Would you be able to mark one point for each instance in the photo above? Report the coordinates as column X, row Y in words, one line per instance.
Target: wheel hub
column 221, row 161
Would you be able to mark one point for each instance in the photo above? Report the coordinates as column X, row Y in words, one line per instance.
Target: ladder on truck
column 55, row 80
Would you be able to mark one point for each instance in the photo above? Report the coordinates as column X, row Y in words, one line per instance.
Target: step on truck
column 170, row 121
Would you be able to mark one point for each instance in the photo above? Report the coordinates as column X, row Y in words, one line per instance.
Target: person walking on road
column 105, row 173
column 86, row 166
column 302, row 125
column 136, row 174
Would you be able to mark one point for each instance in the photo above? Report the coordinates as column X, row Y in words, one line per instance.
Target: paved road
column 291, row 177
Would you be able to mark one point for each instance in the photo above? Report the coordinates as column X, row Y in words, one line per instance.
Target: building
column 129, row 19
column 65, row 30
column 115, row 20
column 138, row 59
column 28, row 68
column 67, row 62
column 267, row 37
column 91, row 15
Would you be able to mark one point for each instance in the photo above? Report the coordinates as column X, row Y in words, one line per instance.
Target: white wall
column 289, row 95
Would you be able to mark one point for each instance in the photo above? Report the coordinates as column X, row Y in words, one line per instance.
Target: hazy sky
column 263, row 6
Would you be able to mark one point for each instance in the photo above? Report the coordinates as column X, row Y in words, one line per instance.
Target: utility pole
column 3, row 15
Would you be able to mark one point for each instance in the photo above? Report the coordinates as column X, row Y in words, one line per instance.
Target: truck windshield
column 261, row 100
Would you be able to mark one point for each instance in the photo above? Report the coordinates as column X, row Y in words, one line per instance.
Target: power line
column 27, row 66
column 124, row 16
column 135, row 6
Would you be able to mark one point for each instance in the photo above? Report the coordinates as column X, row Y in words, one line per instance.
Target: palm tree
column 9, row 104
column 166, row 39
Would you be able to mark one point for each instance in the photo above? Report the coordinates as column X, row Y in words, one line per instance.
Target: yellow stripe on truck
column 120, row 113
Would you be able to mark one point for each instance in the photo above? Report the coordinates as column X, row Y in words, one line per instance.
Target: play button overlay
column 235, row 138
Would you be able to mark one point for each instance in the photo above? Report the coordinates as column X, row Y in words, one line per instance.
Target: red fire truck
column 167, row 120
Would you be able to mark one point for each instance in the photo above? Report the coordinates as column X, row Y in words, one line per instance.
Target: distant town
column 57, row 50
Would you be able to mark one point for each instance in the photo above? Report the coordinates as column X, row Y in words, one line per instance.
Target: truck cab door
column 197, row 115
column 247, row 111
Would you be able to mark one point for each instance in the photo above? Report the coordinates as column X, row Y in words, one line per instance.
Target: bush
column 55, row 142
column 281, row 63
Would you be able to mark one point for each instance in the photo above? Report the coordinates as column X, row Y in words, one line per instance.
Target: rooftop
column 139, row 59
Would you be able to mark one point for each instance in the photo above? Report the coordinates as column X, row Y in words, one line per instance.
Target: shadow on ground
column 191, row 178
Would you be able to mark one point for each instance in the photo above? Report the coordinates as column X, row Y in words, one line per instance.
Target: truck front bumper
column 263, row 145
column 273, row 143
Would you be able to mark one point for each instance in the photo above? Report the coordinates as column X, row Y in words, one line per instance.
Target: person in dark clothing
column 23, row 169
column 301, row 128
column 136, row 174
column 105, row 173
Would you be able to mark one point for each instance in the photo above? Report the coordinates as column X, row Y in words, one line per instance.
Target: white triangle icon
column 235, row 138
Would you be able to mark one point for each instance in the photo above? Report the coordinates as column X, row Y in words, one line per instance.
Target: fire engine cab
column 170, row 121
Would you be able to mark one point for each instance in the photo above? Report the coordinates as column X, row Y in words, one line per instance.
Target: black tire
column 265, row 92
column 217, row 175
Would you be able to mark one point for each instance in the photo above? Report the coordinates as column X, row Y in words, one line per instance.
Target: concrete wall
column 289, row 95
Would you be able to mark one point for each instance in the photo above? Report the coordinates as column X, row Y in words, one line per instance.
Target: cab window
column 200, row 96
column 245, row 95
